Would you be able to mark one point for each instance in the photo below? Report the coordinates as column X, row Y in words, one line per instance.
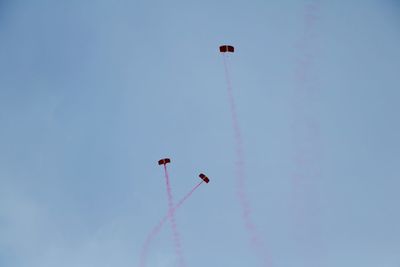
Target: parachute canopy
column 164, row 161
column 226, row 48
column 204, row 177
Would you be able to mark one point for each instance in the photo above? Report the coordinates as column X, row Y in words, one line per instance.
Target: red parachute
column 226, row 48
column 164, row 161
column 204, row 177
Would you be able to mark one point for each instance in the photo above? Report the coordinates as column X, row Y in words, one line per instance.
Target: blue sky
column 93, row 94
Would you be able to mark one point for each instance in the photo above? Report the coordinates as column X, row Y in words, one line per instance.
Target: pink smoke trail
column 156, row 229
column 174, row 227
column 255, row 238
column 306, row 129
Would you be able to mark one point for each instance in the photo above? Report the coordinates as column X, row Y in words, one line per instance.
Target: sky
column 94, row 93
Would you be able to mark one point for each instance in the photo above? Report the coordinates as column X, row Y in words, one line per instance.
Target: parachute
column 204, row 178
column 226, row 48
column 164, row 161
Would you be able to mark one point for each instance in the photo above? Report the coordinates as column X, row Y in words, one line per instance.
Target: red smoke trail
column 174, row 227
column 158, row 227
column 254, row 236
column 306, row 134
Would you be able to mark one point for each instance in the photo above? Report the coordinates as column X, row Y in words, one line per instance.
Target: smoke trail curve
column 255, row 238
column 307, row 154
column 171, row 216
column 157, row 228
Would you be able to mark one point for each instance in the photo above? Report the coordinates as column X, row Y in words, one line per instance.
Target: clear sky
column 93, row 93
